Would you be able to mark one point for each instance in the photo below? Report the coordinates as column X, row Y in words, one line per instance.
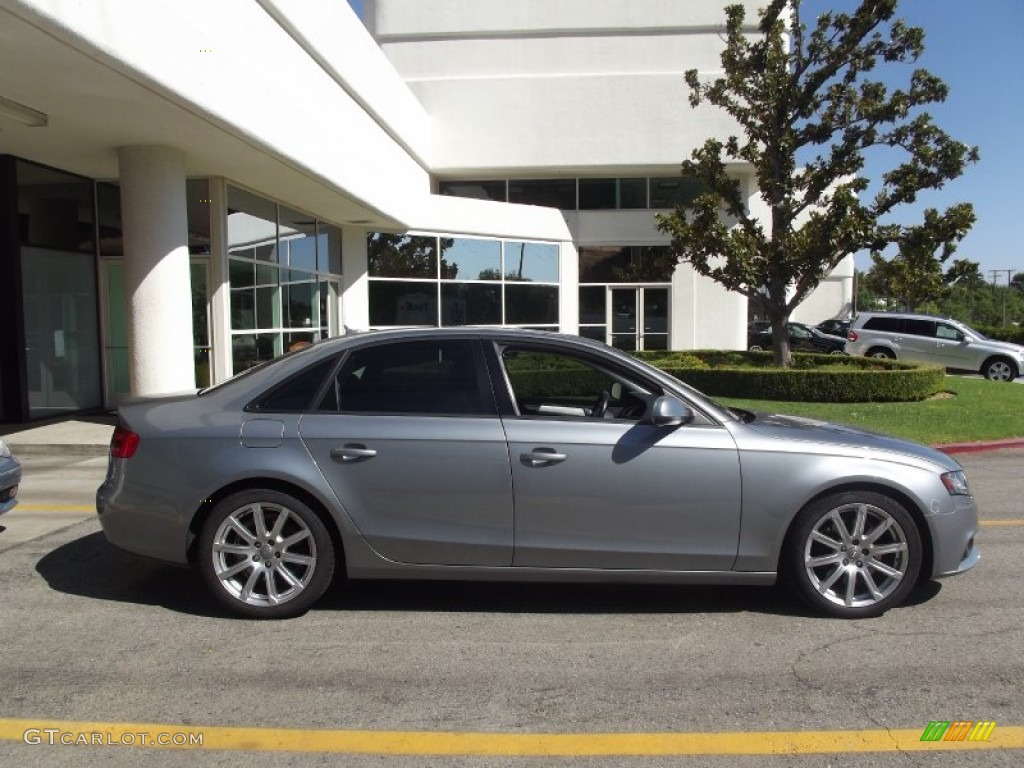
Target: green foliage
column 808, row 110
column 978, row 304
column 812, row 378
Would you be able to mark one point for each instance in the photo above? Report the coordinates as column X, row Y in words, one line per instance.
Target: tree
column 915, row 276
column 808, row 112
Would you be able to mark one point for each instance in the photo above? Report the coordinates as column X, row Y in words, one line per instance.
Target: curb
column 989, row 445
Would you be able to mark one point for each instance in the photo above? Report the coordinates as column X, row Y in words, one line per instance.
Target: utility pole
column 994, row 273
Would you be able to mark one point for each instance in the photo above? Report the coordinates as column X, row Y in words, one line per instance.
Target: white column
column 355, row 283
column 569, row 289
column 154, row 222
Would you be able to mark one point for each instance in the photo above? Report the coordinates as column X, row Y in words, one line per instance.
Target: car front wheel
column 265, row 555
column 854, row 554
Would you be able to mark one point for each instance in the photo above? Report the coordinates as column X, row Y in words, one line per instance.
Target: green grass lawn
column 973, row 409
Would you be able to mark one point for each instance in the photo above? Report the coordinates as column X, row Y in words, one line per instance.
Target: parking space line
column 1001, row 523
column 492, row 744
column 55, row 508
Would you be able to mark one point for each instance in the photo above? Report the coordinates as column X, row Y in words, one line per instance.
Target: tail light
column 123, row 443
column 852, row 336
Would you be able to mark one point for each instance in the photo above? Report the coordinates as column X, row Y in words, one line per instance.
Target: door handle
column 540, row 457
column 353, row 452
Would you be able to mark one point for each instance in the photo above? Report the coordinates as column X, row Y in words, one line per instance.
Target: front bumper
column 10, row 478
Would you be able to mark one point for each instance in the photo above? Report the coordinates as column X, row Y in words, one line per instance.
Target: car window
column 916, row 327
column 890, row 324
column 943, row 331
column 553, row 384
column 414, row 377
column 799, row 332
column 297, row 393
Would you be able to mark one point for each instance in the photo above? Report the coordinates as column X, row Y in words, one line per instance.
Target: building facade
column 188, row 188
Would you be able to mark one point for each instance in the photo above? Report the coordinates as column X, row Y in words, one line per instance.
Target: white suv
column 935, row 340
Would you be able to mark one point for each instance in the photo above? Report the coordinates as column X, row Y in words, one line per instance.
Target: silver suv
column 936, row 340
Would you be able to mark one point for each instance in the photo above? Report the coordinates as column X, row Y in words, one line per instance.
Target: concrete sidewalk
column 83, row 436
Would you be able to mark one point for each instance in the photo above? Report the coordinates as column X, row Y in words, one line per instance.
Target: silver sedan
column 518, row 455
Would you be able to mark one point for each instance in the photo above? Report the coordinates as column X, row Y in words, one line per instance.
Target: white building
column 188, row 187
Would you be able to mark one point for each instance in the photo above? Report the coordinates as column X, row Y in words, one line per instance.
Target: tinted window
column 297, row 393
column 428, row 377
column 920, row 327
column 552, row 193
column 890, row 324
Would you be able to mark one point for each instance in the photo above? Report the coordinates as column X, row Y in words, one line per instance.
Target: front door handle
column 353, row 452
column 540, row 457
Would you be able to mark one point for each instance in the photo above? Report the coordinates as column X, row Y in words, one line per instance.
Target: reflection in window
column 428, row 377
column 401, row 255
column 252, row 225
column 298, row 240
column 470, row 259
column 478, row 190
column 531, row 262
column 627, row 264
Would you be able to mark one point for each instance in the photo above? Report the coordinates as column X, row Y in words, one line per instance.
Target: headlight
column 956, row 483
column 4, row 450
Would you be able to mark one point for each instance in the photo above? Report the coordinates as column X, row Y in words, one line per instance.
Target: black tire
column 265, row 555
column 999, row 369
column 881, row 352
column 755, row 348
column 828, row 567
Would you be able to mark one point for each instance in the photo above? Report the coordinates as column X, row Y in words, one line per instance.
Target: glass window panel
column 108, row 201
column 470, row 304
column 298, row 299
column 252, row 225
column 297, row 393
column 470, row 259
column 55, row 209
column 328, row 249
column 595, row 332
column 410, row 377
column 531, row 304
column 197, row 193
column 268, row 312
column 401, row 255
column 655, row 310
column 493, row 189
column 531, row 262
column 403, row 303
column 242, row 276
column 551, row 193
column 668, row 192
column 200, row 317
column 626, row 264
column 611, row 194
column 249, row 349
column 593, row 305
column 297, row 234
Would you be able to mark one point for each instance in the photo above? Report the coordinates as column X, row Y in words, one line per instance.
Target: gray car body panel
column 10, row 476
column 452, row 498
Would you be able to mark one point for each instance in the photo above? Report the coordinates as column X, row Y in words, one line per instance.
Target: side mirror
column 667, row 411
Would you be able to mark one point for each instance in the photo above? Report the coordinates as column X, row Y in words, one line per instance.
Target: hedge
column 1011, row 333
column 812, row 378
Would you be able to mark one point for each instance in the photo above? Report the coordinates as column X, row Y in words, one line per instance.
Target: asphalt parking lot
column 507, row 674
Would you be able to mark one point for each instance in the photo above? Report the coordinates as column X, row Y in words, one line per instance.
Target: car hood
column 843, row 440
column 1009, row 346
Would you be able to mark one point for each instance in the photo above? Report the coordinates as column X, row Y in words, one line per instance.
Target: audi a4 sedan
column 501, row 454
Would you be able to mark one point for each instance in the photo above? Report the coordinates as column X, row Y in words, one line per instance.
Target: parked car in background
column 505, row 454
column 938, row 340
column 834, row 327
column 10, row 478
column 802, row 338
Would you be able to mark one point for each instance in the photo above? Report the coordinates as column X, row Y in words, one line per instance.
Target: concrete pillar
column 355, row 283
column 154, row 222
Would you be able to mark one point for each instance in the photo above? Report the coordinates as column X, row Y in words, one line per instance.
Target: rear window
column 924, row 328
column 891, row 324
column 297, row 393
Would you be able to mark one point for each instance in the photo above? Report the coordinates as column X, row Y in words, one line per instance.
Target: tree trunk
column 783, row 356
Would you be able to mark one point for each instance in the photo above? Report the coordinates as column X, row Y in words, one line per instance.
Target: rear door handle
column 540, row 457
column 353, row 452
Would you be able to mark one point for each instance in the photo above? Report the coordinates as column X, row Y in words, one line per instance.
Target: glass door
column 638, row 318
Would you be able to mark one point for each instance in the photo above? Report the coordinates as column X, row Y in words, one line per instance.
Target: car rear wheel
column 881, row 352
column 999, row 369
column 854, row 554
column 264, row 554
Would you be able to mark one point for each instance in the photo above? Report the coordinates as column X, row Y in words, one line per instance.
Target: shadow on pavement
column 91, row 567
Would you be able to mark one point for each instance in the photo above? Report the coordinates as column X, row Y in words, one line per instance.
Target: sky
column 976, row 48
